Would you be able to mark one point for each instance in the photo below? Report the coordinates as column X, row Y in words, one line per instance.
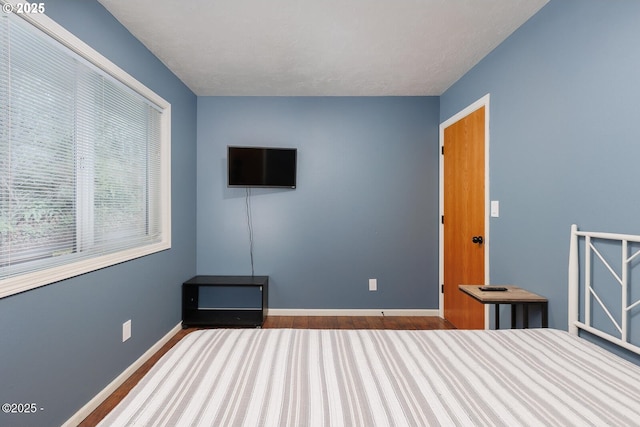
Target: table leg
column 497, row 317
column 545, row 314
column 513, row 316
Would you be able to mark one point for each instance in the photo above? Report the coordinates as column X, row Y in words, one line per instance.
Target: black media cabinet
column 233, row 301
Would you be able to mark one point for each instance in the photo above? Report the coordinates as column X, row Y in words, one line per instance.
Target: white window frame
column 27, row 281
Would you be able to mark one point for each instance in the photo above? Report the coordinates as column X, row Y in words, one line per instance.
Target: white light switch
column 373, row 284
column 495, row 208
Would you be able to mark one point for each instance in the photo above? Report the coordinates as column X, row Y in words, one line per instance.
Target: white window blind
column 83, row 159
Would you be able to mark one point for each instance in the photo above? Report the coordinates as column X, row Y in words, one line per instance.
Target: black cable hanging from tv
column 249, row 225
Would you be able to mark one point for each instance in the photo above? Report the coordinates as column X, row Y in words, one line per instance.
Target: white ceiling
column 321, row 47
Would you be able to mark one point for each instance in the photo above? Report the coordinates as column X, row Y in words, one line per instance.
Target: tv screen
column 261, row 167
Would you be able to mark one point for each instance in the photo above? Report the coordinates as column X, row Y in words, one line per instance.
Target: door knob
column 477, row 239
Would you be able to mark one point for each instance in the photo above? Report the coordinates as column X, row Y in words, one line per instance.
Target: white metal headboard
column 589, row 293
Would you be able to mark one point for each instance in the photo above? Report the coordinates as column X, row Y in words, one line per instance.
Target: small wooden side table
column 513, row 296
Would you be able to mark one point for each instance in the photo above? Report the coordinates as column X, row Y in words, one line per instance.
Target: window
column 84, row 158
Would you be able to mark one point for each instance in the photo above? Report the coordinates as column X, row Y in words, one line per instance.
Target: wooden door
column 464, row 217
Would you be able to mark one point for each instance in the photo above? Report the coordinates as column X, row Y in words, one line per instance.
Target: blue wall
column 61, row 344
column 366, row 204
column 565, row 142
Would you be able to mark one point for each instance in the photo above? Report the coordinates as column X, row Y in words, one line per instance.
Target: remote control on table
column 493, row 288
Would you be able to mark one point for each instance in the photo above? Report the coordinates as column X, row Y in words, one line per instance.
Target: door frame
column 482, row 102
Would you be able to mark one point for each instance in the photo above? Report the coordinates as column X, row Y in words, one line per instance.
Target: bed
column 295, row 377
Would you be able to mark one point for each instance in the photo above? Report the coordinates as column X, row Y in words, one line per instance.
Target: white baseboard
column 352, row 312
column 87, row 409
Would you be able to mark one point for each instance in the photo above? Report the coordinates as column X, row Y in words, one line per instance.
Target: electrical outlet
column 373, row 284
column 126, row 330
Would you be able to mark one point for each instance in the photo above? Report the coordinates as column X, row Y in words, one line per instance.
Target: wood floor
column 273, row 322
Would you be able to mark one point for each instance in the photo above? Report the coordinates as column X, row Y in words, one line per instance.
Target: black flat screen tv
column 261, row 167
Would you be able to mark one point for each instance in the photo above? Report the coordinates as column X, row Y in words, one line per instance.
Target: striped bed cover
column 295, row 377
